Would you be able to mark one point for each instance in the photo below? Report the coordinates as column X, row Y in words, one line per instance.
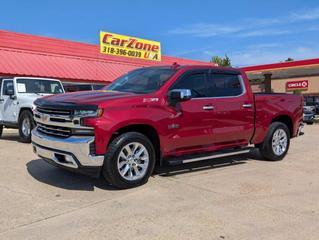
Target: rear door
column 233, row 114
column 8, row 106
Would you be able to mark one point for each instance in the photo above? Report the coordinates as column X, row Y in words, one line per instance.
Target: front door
column 190, row 127
column 8, row 105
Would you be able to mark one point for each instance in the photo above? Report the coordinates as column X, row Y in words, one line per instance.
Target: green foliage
column 221, row 61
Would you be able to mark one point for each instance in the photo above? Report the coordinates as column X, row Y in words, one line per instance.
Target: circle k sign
column 297, row 85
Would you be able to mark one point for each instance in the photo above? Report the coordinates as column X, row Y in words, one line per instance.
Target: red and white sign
column 297, row 85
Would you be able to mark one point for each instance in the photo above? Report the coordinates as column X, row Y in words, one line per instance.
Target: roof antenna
column 175, row 65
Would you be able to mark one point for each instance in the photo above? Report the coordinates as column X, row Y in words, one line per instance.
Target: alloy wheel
column 133, row 161
column 279, row 142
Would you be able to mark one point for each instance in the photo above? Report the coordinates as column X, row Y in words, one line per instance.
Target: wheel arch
column 287, row 120
column 24, row 109
column 146, row 129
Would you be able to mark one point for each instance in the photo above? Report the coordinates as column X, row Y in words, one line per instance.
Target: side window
column 7, row 85
column 196, row 82
column 98, row 86
column 224, row 85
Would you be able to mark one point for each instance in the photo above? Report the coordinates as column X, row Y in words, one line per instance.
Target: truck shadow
column 14, row 137
column 45, row 173
column 51, row 175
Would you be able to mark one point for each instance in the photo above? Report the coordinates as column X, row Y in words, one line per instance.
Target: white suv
column 16, row 101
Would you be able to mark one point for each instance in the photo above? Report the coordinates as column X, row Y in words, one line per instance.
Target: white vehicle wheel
column 26, row 124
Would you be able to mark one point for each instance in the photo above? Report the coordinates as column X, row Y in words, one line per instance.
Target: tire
column 25, row 134
column 117, row 161
column 1, row 130
column 266, row 147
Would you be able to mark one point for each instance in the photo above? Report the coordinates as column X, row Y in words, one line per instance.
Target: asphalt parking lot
column 231, row 198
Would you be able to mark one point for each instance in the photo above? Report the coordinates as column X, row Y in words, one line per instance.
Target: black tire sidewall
column 266, row 147
column 110, row 170
column 23, row 115
column 1, row 130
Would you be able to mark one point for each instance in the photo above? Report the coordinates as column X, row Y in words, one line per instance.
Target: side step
column 201, row 157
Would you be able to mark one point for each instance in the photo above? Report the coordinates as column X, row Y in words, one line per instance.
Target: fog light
column 89, row 132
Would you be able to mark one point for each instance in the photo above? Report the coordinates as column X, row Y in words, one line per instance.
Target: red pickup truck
column 167, row 114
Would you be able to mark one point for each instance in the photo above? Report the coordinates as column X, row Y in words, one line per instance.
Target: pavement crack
column 254, row 203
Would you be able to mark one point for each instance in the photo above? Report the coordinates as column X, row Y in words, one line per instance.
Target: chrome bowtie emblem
column 45, row 118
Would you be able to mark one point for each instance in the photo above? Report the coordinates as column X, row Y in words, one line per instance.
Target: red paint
column 297, row 85
column 228, row 125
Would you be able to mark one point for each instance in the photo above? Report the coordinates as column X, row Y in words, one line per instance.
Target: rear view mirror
column 179, row 95
column 9, row 91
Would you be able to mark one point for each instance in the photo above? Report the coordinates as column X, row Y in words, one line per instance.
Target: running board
column 201, row 157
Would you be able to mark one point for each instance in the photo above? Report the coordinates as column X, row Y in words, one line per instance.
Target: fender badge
column 149, row 100
column 173, row 126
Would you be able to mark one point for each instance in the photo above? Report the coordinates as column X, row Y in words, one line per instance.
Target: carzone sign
column 126, row 46
column 297, row 85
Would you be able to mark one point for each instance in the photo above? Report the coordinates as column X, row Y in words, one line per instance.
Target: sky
column 249, row 32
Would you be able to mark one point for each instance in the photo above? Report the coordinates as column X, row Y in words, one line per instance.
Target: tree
column 221, row 61
column 289, row 59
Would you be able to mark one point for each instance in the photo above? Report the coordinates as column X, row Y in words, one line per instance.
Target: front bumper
column 300, row 130
column 71, row 153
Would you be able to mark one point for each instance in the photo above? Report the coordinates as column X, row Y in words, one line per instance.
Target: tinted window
column 224, row 85
column 6, row 86
column 97, row 86
column 69, row 87
column 196, row 82
column 77, row 87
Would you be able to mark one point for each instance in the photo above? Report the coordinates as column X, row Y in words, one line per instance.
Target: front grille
column 51, row 111
column 60, row 122
column 55, row 131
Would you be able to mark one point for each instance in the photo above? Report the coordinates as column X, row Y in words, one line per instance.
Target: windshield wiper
column 142, row 92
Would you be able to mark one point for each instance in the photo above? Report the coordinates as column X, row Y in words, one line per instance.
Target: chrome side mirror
column 179, row 95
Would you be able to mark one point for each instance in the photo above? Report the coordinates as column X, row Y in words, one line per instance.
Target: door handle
column 208, row 107
column 248, row 105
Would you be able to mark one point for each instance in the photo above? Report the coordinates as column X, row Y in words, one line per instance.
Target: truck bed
column 270, row 105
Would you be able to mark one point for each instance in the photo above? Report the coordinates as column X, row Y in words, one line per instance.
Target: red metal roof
column 28, row 55
column 273, row 66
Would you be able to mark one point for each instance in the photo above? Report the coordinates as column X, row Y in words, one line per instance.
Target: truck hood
column 88, row 97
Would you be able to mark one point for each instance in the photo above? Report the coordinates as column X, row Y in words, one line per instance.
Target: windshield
column 144, row 80
column 39, row 86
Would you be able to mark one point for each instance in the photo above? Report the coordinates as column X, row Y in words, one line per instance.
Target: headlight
column 89, row 113
column 34, row 107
